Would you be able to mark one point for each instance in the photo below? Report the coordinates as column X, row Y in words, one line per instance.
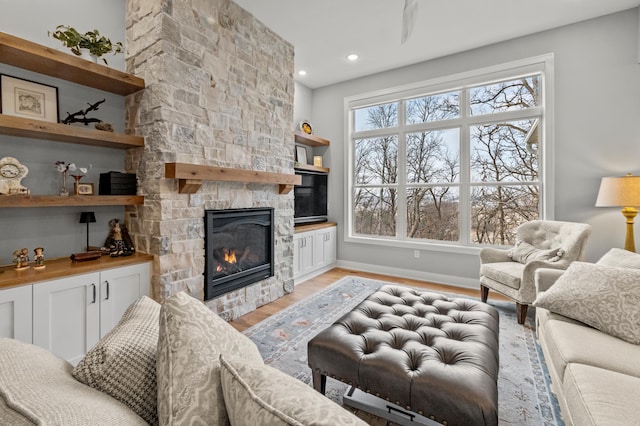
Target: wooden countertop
column 314, row 226
column 62, row 267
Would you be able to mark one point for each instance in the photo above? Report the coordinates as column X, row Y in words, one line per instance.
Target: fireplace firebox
column 238, row 249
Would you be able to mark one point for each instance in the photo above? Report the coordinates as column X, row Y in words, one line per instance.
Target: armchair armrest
column 493, row 255
column 545, row 278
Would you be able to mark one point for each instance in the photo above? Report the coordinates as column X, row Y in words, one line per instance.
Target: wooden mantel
column 191, row 176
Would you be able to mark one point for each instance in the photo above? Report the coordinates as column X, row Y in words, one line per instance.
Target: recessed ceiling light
column 302, row 72
column 352, row 57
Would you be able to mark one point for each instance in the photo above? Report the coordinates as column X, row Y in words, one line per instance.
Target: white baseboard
column 312, row 274
column 469, row 283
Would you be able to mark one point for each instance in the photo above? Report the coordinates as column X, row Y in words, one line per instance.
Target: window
column 453, row 162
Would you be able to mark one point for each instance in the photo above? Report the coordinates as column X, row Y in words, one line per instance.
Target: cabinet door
column 16, row 313
column 330, row 245
column 325, row 247
column 66, row 315
column 119, row 288
column 306, row 253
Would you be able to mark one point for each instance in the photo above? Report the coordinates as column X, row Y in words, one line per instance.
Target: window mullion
column 401, row 220
column 464, row 218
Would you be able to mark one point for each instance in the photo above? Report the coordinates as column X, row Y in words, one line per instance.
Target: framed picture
column 301, row 154
column 85, row 188
column 28, row 99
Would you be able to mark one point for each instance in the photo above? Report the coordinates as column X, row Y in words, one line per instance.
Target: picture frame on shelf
column 28, row 99
column 85, row 188
column 301, row 155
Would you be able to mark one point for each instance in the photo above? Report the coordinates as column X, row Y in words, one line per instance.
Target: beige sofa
column 595, row 375
column 174, row 364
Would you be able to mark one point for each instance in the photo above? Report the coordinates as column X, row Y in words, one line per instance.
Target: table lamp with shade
column 87, row 217
column 622, row 191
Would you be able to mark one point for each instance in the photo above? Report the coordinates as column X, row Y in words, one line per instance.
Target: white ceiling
column 323, row 32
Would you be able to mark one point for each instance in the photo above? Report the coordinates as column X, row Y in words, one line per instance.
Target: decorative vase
column 63, row 191
column 75, row 184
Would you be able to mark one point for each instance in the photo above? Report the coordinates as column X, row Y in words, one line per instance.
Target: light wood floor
column 313, row 285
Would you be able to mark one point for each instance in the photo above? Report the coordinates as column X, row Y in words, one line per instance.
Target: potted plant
column 96, row 44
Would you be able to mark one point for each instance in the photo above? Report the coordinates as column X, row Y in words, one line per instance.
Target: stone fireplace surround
column 219, row 92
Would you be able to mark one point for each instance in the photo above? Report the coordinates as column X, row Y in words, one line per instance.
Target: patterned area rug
column 523, row 384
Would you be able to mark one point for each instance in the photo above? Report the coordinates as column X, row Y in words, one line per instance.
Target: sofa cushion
column 525, row 252
column 620, row 258
column 601, row 397
column 38, row 386
column 262, row 395
column 190, row 342
column 603, row 297
column 507, row 273
column 570, row 342
column 123, row 363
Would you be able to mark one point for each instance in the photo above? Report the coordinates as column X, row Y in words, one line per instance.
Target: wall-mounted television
column 310, row 205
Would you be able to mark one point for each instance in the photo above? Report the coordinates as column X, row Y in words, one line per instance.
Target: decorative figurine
column 81, row 116
column 38, row 258
column 118, row 242
column 21, row 258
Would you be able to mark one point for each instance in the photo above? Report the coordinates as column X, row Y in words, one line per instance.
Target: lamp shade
column 622, row 191
column 87, row 217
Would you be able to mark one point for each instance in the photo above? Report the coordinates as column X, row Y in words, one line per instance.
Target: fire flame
column 230, row 256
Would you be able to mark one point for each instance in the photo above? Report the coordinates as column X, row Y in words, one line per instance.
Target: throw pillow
column 123, row 363
column 190, row 342
column 604, row 297
column 525, row 252
column 37, row 388
column 262, row 395
column 620, row 258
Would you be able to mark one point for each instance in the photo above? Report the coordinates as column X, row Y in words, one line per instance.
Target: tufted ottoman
column 430, row 354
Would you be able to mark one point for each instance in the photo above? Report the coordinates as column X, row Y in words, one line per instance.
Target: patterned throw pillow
column 525, row 252
column 123, row 363
column 604, row 297
column 262, row 395
column 190, row 342
column 620, row 258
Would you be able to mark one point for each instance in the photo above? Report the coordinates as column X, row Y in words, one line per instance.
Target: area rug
column 524, row 397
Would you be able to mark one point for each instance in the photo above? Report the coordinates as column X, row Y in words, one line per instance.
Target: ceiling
column 323, row 32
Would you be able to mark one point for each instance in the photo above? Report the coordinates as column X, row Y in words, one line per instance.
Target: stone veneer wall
column 219, row 91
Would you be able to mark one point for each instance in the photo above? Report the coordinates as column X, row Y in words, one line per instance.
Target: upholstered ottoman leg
column 319, row 381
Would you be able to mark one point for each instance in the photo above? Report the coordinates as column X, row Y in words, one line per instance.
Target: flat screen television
column 310, row 204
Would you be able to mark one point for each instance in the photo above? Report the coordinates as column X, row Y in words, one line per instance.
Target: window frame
column 543, row 65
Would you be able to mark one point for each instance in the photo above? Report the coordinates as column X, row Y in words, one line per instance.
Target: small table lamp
column 87, row 217
column 622, row 191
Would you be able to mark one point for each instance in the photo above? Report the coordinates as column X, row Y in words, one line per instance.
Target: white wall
column 597, row 105
column 57, row 228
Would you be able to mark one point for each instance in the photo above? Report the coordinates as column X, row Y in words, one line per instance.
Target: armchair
column 541, row 244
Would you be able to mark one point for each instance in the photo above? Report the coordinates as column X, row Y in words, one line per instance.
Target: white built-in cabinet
column 68, row 315
column 314, row 251
column 71, row 314
column 16, row 313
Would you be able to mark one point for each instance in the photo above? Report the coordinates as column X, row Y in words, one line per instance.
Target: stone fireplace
column 238, row 249
column 219, row 93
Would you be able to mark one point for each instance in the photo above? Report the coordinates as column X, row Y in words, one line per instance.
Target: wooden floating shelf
column 191, row 176
column 45, row 60
column 311, row 168
column 312, row 227
column 70, row 201
column 18, row 126
column 310, row 140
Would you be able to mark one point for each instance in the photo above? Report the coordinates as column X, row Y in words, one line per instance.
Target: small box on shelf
column 116, row 183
